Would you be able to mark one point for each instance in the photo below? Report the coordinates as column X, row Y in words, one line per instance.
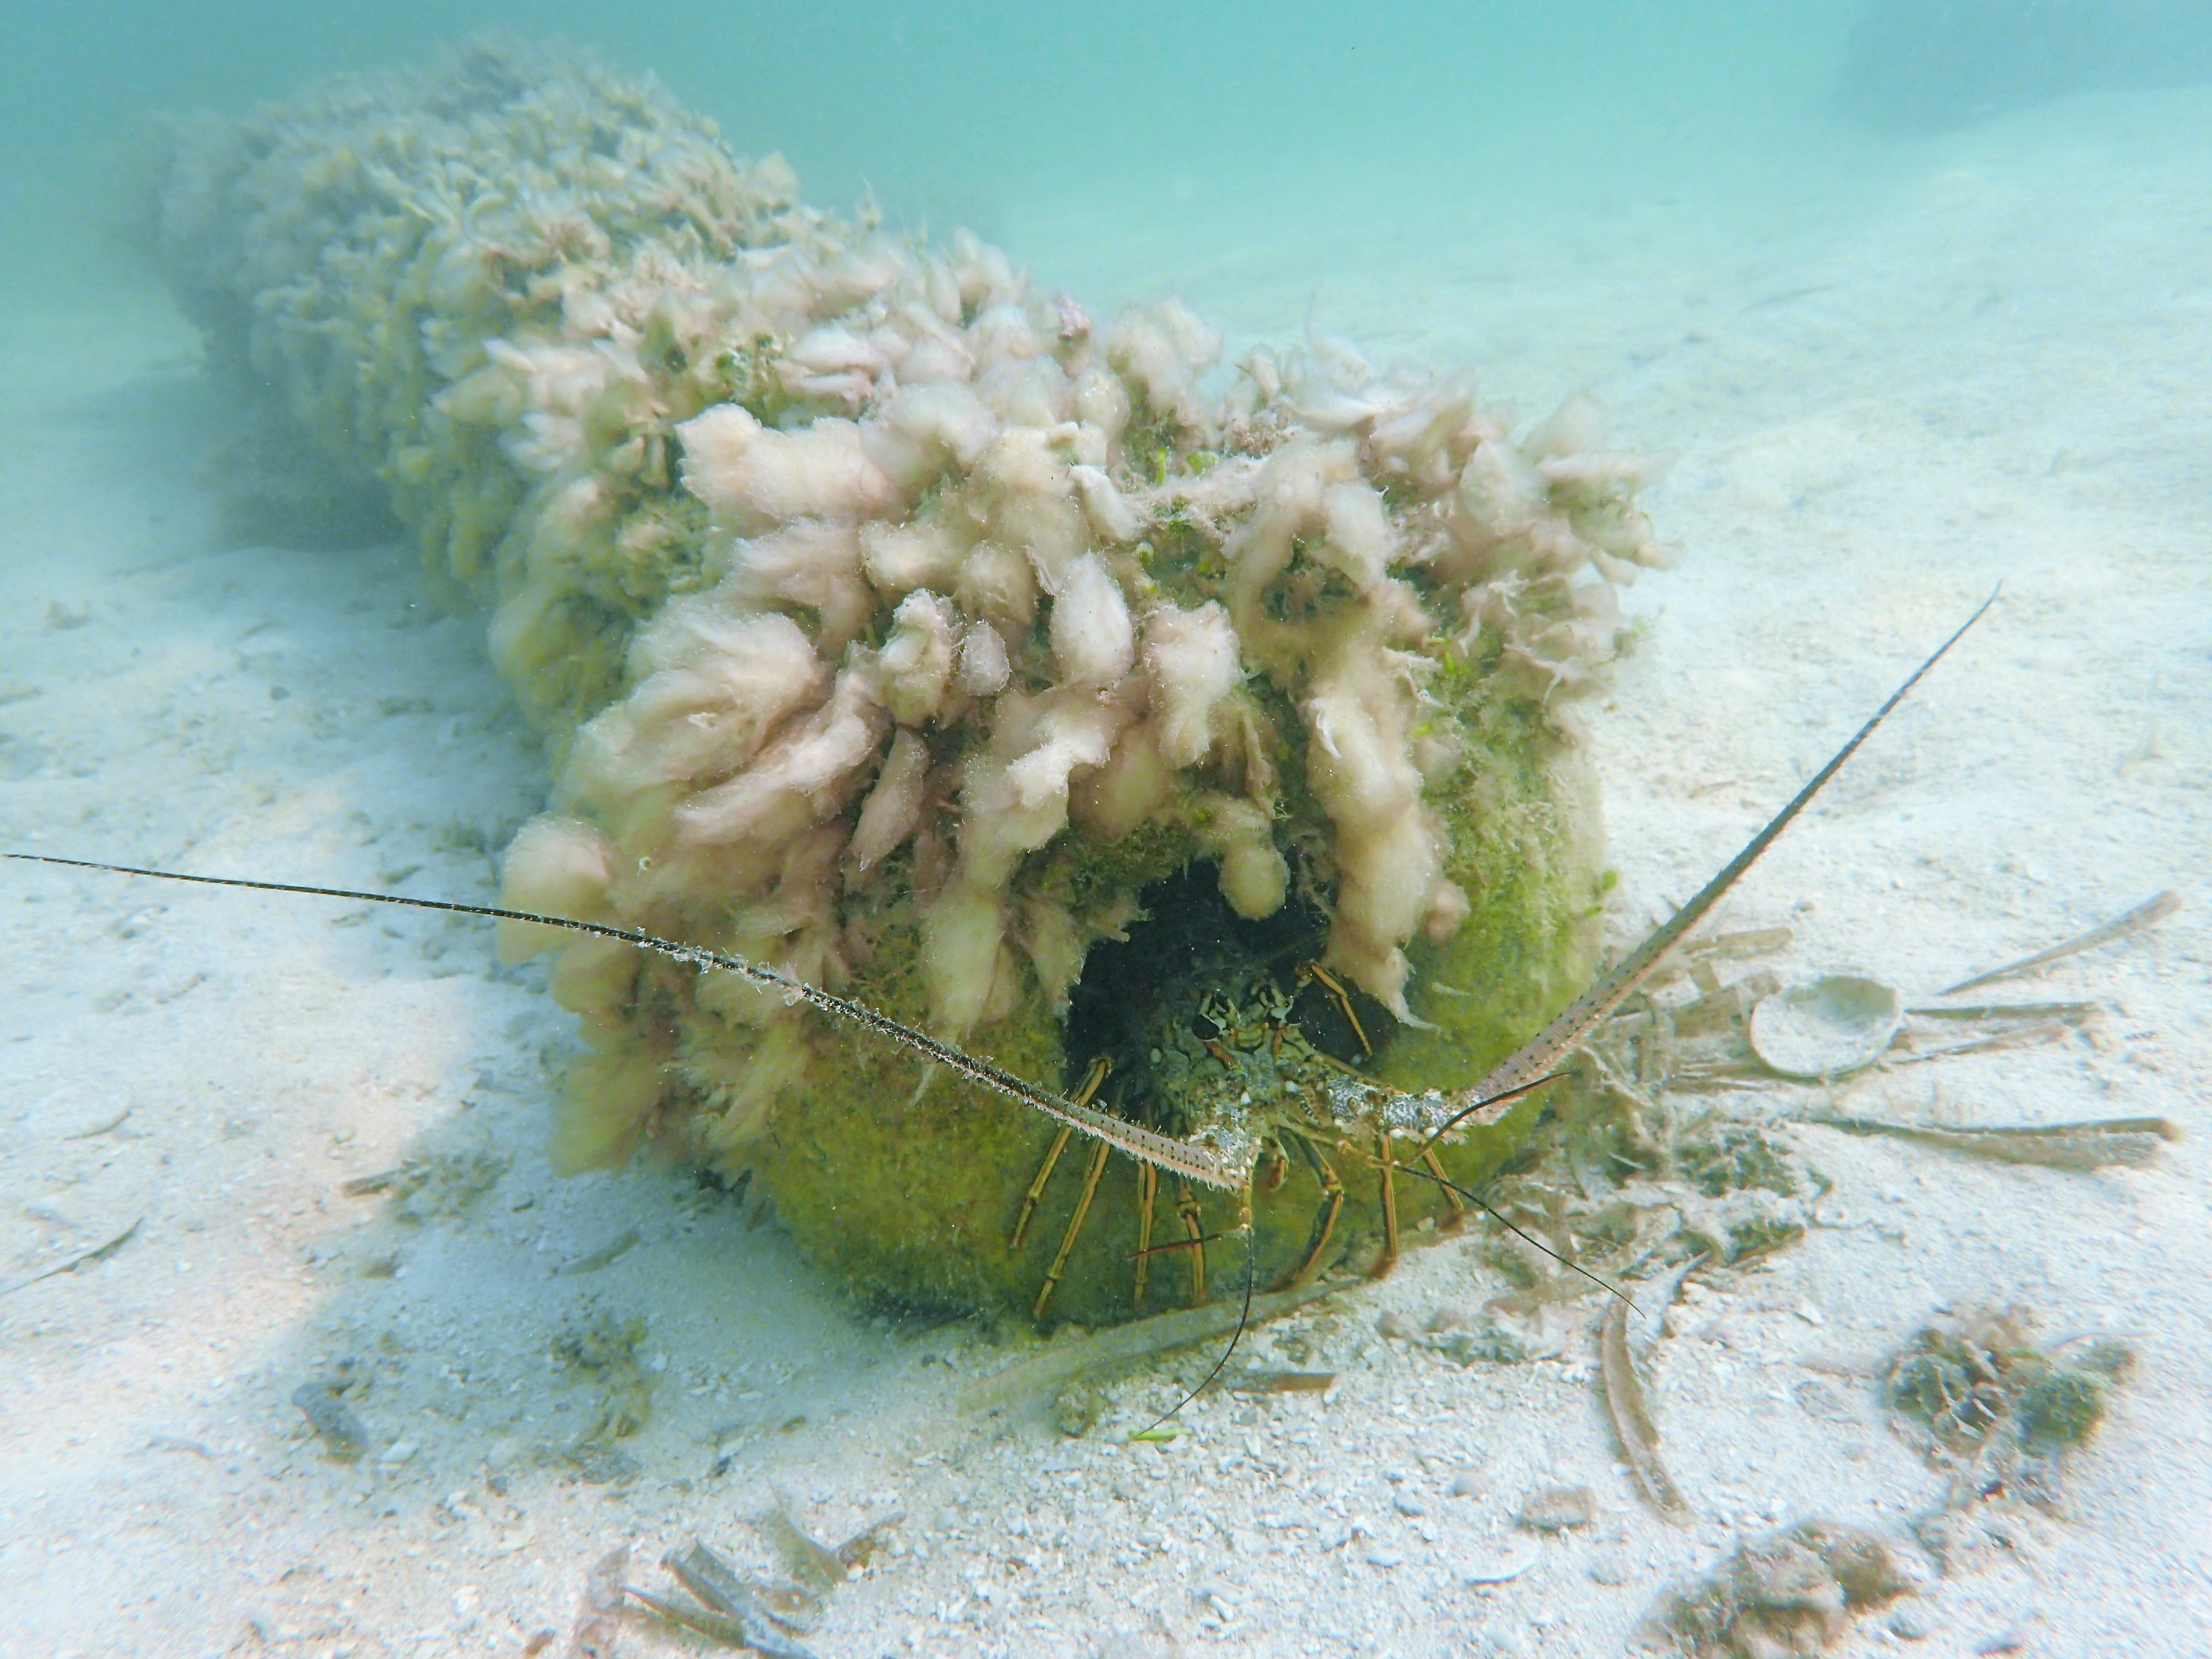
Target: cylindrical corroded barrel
column 905, row 628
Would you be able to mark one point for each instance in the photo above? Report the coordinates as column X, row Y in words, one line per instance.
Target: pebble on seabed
column 1556, row 1508
column 1911, row 1625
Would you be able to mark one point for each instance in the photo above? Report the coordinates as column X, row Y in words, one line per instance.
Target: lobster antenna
column 1527, row 1238
column 1130, row 1138
column 1589, row 1010
column 1244, row 1321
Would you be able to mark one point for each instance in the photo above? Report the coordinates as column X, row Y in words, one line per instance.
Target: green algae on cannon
column 906, row 629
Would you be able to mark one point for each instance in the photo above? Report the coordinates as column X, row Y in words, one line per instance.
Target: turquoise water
column 992, row 114
column 1260, row 158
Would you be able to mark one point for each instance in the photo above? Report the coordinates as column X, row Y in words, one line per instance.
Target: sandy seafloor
column 1984, row 358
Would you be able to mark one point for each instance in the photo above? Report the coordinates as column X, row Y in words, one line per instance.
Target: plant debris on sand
column 1790, row 1594
column 1996, row 1410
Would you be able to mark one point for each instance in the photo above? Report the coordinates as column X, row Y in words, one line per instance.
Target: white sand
column 1981, row 358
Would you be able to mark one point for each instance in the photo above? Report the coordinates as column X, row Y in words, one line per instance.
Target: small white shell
column 1832, row 1025
column 1502, row 1563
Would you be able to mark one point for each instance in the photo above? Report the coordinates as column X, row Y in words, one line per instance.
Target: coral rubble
column 899, row 625
column 1998, row 1412
column 1790, row 1595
